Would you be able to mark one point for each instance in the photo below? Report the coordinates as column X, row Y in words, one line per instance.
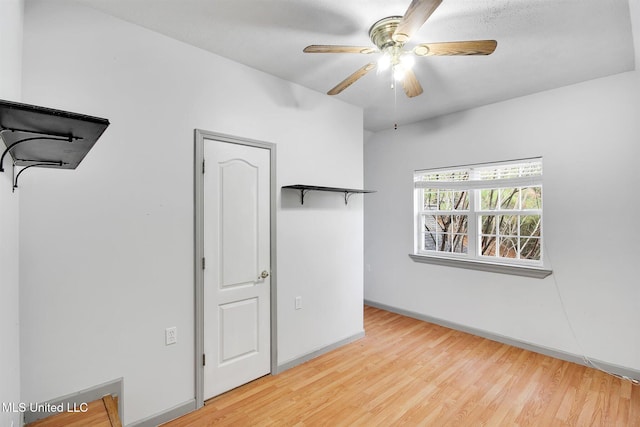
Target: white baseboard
column 166, row 416
column 312, row 355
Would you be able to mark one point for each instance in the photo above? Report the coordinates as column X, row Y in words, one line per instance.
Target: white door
column 237, row 278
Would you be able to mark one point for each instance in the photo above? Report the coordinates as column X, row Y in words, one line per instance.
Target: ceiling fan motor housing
column 381, row 33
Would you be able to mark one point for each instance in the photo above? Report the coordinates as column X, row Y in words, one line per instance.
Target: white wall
column 634, row 9
column 107, row 250
column 11, row 16
column 588, row 135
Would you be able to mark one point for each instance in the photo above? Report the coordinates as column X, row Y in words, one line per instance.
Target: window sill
column 517, row 270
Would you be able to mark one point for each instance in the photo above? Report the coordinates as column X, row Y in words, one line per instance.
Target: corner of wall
column 634, row 13
column 11, row 23
column 9, row 297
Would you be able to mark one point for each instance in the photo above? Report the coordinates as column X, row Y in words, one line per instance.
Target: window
column 488, row 213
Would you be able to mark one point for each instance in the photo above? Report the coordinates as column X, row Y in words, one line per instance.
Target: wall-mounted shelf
column 43, row 137
column 304, row 189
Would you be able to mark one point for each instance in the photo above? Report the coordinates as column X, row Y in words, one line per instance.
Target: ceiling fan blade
column 351, row 79
column 416, row 15
column 473, row 47
column 411, row 84
column 323, row 48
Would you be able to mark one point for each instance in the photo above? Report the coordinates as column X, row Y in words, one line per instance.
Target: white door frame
column 200, row 137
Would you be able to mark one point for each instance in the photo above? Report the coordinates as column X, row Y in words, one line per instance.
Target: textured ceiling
column 542, row 44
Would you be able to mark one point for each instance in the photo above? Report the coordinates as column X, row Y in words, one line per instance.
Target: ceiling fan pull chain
column 395, row 106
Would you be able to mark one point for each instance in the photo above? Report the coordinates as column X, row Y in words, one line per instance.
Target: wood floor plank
column 409, row 372
column 111, row 407
column 634, row 405
column 95, row 415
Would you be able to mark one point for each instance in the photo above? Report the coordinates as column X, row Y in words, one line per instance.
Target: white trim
column 472, row 264
column 166, row 416
column 199, row 137
column 312, row 355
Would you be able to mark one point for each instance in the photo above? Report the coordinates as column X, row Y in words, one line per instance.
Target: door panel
column 239, row 329
column 237, row 250
column 239, row 216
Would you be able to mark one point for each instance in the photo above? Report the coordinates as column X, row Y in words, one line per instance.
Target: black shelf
column 304, row 189
column 43, row 137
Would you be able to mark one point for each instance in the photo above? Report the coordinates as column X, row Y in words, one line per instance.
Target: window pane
column 459, row 243
column 430, row 223
column 488, row 245
column 460, row 200
column 488, row 224
column 488, row 199
column 445, row 200
column 509, row 198
column 508, row 247
column 442, row 243
column 532, row 198
column 430, row 199
column 443, row 222
column 508, row 225
column 530, row 248
column 530, row 225
column 430, row 241
column 459, row 224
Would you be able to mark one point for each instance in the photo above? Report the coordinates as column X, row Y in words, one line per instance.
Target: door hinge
column 203, row 263
column 202, row 165
column 203, row 360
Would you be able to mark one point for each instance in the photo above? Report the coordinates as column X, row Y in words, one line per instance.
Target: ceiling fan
column 390, row 35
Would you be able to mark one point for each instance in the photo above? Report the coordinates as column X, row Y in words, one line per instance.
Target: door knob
column 264, row 275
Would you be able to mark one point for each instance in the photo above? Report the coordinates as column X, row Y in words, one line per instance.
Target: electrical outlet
column 171, row 335
column 298, row 303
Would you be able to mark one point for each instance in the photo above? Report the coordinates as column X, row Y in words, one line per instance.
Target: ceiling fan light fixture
column 407, row 61
column 399, row 72
column 384, row 62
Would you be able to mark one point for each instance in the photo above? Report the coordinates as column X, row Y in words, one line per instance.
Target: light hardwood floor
column 409, row 372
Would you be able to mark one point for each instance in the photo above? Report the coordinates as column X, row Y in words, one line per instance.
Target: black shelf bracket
column 37, row 164
column 347, row 194
column 44, row 136
column 302, row 193
column 304, row 189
